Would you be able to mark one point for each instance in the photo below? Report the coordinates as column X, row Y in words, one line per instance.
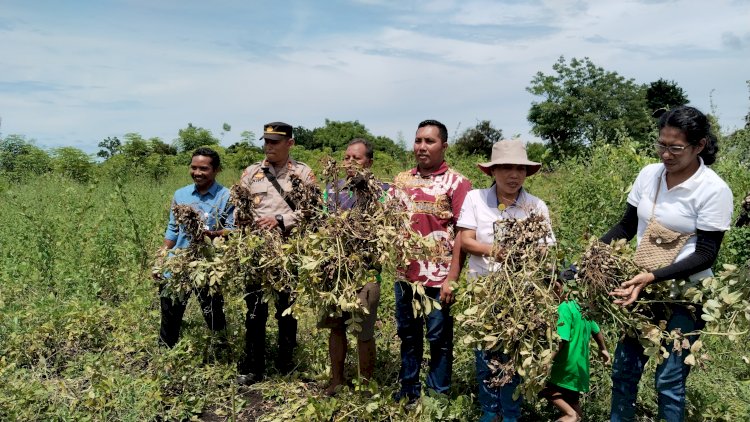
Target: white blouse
column 479, row 212
column 702, row 202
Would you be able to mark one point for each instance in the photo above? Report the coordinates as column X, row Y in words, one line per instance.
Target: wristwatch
column 280, row 220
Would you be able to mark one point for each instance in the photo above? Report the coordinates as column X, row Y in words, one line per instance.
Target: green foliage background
column 79, row 314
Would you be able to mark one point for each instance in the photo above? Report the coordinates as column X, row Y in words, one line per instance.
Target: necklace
column 500, row 198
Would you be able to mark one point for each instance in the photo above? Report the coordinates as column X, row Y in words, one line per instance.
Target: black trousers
column 255, row 334
column 212, row 308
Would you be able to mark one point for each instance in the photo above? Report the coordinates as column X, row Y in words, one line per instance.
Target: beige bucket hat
column 509, row 151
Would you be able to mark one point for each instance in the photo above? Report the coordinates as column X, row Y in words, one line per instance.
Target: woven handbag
column 659, row 245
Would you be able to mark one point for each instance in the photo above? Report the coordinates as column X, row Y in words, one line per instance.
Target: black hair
column 208, row 152
column 443, row 131
column 368, row 146
column 696, row 126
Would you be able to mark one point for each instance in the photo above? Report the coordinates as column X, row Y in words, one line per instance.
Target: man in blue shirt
column 212, row 200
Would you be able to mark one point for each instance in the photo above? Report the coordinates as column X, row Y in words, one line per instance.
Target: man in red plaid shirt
column 433, row 194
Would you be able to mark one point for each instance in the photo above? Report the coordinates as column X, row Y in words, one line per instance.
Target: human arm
column 470, row 244
column 223, row 224
column 167, row 245
column 706, row 251
column 459, row 203
column 626, row 228
column 457, row 263
column 603, row 352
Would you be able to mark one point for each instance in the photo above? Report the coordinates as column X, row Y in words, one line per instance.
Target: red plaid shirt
column 434, row 203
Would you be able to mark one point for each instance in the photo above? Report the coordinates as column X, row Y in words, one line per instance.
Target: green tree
column 241, row 154
column 664, row 93
column 585, row 105
column 72, row 163
column 109, row 147
column 193, row 137
column 136, row 148
column 248, row 136
column 737, row 145
column 20, row 158
column 388, row 146
column 478, row 140
column 538, row 152
column 157, row 146
column 304, row 137
column 337, row 134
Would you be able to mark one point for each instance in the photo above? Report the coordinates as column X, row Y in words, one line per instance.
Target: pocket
column 258, row 192
column 258, row 188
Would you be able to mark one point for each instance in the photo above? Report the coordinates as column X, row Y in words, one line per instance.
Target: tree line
column 580, row 106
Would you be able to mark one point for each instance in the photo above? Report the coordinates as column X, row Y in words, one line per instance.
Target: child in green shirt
column 570, row 368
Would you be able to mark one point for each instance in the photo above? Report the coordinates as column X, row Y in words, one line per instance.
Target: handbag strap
column 656, row 195
column 271, row 178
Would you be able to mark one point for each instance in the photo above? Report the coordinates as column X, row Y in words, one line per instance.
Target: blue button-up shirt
column 218, row 212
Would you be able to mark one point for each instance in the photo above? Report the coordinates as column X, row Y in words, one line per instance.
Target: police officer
column 268, row 182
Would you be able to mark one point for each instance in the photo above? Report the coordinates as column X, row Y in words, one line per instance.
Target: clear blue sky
column 75, row 72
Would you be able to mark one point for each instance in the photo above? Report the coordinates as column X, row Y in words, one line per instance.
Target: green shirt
column 571, row 366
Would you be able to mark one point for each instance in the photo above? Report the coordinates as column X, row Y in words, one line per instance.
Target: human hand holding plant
column 446, row 292
column 498, row 253
column 605, row 356
column 628, row 291
column 267, row 222
column 213, row 234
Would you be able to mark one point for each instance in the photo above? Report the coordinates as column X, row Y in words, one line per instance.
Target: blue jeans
column 497, row 400
column 671, row 374
column 411, row 332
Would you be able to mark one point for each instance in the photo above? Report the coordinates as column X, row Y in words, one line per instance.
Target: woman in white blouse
column 683, row 195
column 506, row 198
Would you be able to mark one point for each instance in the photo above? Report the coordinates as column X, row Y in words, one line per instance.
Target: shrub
column 21, row 159
column 72, row 163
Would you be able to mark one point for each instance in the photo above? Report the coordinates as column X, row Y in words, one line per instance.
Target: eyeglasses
column 673, row 149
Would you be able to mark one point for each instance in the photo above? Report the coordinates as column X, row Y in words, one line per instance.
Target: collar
column 493, row 202
column 693, row 182
column 289, row 164
column 211, row 191
column 440, row 170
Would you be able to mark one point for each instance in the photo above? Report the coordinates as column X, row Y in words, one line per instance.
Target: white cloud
column 501, row 13
column 106, row 83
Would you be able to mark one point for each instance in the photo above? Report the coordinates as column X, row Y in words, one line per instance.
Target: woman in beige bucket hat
column 510, row 151
column 509, row 166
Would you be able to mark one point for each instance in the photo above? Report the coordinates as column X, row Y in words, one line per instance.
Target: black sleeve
column 625, row 229
column 706, row 250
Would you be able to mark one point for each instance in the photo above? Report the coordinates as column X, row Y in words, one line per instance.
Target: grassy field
column 79, row 316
